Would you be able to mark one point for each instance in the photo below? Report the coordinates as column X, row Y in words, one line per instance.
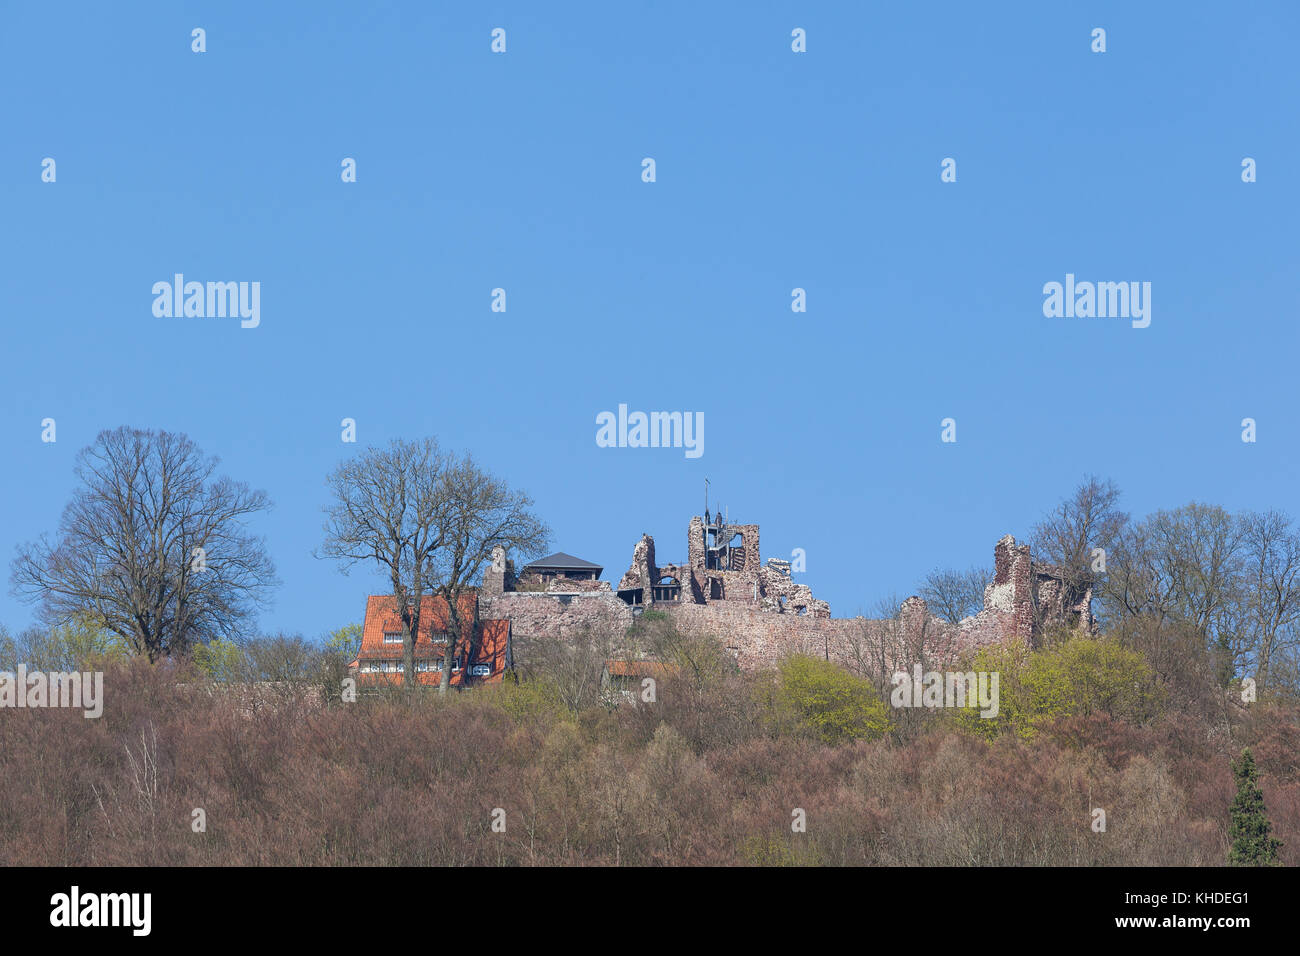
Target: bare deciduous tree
column 1067, row 537
column 153, row 546
column 481, row 514
column 572, row 668
column 1272, row 568
column 955, row 595
column 1200, row 549
column 1184, row 568
column 388, row 508
column 431, row 520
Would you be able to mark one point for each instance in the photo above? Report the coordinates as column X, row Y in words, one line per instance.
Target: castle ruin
column 762, row 614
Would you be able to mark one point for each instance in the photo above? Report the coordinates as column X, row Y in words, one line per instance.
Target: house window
column 438, row 637
column 392, row 637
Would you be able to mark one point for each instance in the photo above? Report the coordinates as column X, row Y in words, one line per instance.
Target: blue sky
column 775, row 170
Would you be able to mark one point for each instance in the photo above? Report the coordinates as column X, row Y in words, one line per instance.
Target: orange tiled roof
column 488, row 664
column 383, row 617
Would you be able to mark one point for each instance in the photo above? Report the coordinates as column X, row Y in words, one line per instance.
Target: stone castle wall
column 763, row 616
column 545, row 614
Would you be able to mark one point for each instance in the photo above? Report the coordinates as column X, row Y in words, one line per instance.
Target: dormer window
column 392, row 637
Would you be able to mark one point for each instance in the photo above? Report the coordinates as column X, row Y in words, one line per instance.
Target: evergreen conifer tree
column 1249, row 831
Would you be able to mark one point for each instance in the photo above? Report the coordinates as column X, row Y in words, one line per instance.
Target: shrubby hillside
column 712, row 772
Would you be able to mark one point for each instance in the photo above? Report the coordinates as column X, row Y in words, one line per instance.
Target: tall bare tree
column 482, row 514
column 387, row 507
column 1185, row 568
column 1200, row 549
column 153, row 546
column 1067, row 537
column 954, row 595
column 1272, row 569
column 431, row 521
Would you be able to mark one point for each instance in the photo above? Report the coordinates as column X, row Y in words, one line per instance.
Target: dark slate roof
column 562, row 562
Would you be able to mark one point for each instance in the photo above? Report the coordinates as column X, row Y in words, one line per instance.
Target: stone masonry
column 762, row 615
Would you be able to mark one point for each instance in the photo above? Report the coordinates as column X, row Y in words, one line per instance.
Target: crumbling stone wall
column 738, row 583
column 741, row 582
column 778, row 592
column 558, row 583
column 768, row 587
column 642, row 572
column 1017, row 601
column 695, row 544
column 563, row 585
column 1011, row 593
column 541, row 614
column 758, row 639
column 1060, row 601
column 758, row 615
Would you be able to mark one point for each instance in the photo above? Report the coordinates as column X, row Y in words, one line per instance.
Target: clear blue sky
column 775, row 170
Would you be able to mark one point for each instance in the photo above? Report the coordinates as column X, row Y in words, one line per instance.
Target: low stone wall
column 545, row 614
column 760, row 639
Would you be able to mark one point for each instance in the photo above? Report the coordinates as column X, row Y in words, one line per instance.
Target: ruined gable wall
column 642, row 572
column 1012, row 590
column 695, row 544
